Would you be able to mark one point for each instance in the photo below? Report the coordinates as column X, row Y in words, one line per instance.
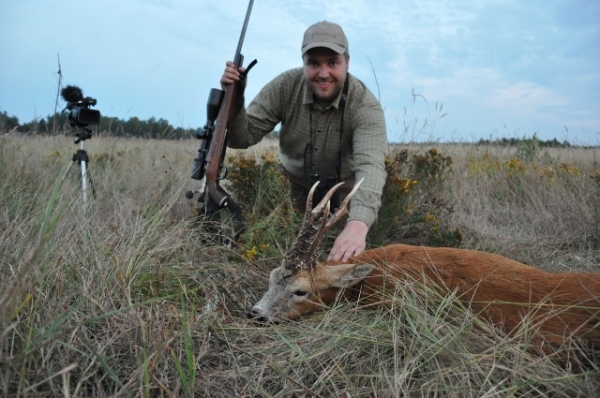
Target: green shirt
column 288, row 100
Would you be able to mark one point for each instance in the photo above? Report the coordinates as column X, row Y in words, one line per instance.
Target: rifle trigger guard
column 222, row 172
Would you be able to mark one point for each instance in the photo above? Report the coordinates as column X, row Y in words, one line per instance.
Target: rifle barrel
column 238, row 51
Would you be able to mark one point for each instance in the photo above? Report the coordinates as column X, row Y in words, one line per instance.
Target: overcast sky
column 498, row 68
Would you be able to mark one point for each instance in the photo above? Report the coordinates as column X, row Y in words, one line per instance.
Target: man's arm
column 369, row 149
column 251, row 124
column 369, row 146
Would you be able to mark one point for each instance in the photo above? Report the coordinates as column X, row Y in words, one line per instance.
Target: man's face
column 325, row 72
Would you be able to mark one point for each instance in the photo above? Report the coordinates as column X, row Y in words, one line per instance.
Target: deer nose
column 260, row 316
column 257, row 315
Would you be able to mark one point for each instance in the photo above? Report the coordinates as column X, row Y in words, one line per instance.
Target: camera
column 324, row 186
column 80, row 114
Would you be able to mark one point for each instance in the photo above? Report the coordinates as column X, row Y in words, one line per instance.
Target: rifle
column 208, row 165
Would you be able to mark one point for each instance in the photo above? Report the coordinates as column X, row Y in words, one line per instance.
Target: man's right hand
column 230, row 75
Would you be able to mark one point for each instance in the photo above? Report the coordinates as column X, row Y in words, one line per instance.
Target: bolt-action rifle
column 221, row 109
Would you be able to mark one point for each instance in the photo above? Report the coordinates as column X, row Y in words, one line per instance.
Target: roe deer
column 559, row 306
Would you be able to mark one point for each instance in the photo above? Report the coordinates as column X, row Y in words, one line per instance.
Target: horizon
column 273, row 135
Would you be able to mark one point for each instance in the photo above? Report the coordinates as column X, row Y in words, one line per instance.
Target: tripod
column 82, row 158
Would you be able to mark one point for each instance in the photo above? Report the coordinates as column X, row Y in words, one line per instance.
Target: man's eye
column 300, row 293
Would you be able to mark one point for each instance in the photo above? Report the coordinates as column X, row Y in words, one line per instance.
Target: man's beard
column 328, row 93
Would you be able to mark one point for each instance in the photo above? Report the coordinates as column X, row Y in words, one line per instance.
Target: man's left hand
column 350, row 242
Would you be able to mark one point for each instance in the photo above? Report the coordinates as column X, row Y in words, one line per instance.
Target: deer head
column 301, row 285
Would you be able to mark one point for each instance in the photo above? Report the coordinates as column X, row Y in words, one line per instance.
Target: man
column 322, row 135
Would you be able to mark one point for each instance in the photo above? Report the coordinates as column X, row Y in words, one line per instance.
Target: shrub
column 414, row 208
column 264, row 194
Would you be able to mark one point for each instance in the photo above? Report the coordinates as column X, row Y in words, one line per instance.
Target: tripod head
column 81, row 136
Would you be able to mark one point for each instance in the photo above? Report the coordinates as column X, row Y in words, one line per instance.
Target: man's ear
column 344, row 275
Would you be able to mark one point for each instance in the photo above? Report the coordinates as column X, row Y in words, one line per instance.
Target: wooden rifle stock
column 216, row 151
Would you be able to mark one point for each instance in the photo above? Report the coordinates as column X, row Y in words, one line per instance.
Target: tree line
column 133, row 127
column 161, row 129
column 534, row 140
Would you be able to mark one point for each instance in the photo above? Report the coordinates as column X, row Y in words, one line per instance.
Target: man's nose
column 323, row 71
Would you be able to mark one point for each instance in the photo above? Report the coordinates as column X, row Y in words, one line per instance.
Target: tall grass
column 126, row 297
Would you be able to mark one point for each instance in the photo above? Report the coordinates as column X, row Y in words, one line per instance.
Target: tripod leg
column 83, row 165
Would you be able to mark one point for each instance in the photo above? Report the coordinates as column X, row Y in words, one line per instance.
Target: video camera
column 80, row 114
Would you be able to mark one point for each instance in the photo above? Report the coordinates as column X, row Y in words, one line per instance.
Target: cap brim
column 332, row 46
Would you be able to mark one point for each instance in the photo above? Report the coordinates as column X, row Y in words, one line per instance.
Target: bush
column 414, row 208
column 264, row 194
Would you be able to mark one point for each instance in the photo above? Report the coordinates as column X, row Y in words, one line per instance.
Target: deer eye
column 300, row 293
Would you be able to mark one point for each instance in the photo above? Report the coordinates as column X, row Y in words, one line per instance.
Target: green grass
column 125, row 297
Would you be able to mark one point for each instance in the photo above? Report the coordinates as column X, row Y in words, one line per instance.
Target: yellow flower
column 431, row 218
column 250, row 254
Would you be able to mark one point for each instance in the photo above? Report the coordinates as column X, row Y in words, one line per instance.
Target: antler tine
column 318, row 209
column 343, row 209
column 313, row 213
column 304, row 252
column 327, row 223
column 309, row 199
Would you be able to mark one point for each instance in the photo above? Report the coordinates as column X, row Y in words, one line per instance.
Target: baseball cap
column 325, row 34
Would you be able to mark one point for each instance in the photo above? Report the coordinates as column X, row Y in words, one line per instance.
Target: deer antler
column 303, row 253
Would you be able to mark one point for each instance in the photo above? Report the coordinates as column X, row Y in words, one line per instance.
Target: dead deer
column 506, row 293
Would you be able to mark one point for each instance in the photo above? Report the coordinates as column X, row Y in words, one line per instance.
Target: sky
column 443, row 70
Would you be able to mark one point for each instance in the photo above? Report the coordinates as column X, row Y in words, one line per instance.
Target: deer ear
column 344, row 275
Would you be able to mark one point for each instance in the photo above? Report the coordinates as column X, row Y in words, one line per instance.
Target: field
column 127, row 295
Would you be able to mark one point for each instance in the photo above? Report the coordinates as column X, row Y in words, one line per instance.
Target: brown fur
column 553, row 307
column 502, row 291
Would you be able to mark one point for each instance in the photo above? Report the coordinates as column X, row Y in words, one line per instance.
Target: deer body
column 506, row 293
column 500, row 290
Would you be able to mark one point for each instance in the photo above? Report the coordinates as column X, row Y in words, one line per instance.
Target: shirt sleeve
column 369, row 146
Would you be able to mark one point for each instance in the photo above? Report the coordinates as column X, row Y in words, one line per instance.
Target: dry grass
column 123, row 298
